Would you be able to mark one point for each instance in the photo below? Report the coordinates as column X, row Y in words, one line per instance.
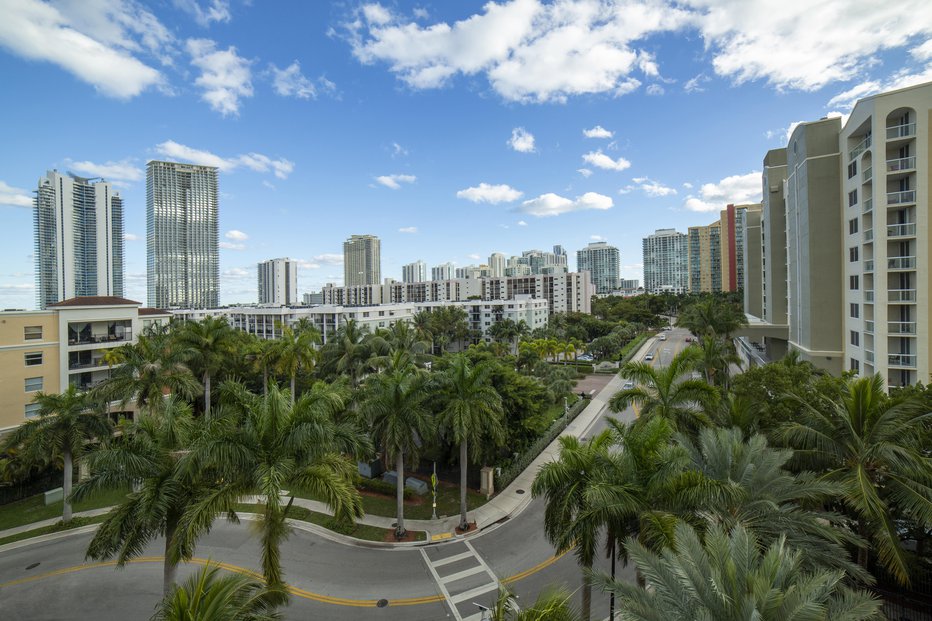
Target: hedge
column 381, row 487
column 510, row 472
column 629, row 350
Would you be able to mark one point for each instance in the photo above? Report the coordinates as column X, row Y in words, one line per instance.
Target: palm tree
column 395, row 403
column 208, row 596
column 670, row 392
column 473, row 411
column 400, row 337
column 871, row 449
column 347, row 352
column 296, row 352
column 552, row 604
column 66, row 424
column 727, row 577
column 206, row 345
column 712, row 317
column 578, row 488
column 717, row 355
column 258, row 446
column 146, row 456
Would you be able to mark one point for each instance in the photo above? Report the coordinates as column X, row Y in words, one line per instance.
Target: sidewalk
column 508, row 503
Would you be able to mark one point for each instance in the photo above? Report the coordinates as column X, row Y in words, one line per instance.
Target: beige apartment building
column 705, row 258
column 47, row 350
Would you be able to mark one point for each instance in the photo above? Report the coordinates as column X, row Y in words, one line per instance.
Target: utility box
column 487, row 481
column 54, row 495
column 370, row 469
column 417, row 486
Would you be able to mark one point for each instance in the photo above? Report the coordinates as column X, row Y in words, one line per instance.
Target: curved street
column 49, row 578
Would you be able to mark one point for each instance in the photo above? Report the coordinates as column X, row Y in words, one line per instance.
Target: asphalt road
column 51, row 580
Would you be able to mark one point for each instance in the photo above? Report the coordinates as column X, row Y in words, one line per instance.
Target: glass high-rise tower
column 182, row 235
column 362, row 260
column 78, row 239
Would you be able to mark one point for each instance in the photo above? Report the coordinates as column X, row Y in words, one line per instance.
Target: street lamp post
column 433, row 486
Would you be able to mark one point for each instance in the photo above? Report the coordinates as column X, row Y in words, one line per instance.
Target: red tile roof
column 94, row 300
column 153, row 311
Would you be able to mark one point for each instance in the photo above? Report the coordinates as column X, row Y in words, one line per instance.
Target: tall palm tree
column 717, row 356
column 395, row 403
column 146, row 455
column 473, row 412
column 670, row 392
column 577, row 490
column 206, row 345
column 66, row 423
column 727, row 577
column 210, row 596
column 258, row 446
column 296, row 352
column 346, row 352
column 871, row 448
column 712, row 317
column 400, row 337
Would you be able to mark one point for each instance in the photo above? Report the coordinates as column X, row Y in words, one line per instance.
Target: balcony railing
column 901, row 163
column 902, row 360
column 869, row 235
column 868, row 174
column 901, row 131
column 83, row 365
column 901, row 263
column 869, row 265
column 869, row 327
column 868, row 295
column 902, row 230
column 861, row 147
column 898, row 198
column 868, row 355
column 106, row 338
column 868, row 205
column 901, row 327
column 901, row 295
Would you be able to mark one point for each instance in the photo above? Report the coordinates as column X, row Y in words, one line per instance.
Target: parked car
column 628, row 385
column 649, row 357
column 663, row 337
column 585, row 357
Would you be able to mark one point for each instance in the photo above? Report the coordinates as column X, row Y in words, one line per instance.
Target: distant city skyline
column 327, row 119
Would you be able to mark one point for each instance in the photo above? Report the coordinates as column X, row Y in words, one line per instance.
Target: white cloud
column 225, row 76
column 290, row 82
column 655, row 89
column 597, row 132
column 408, row 229
column 394, row 181
column 474, row 256
column 600, row 160
column 528, row 50
column 550, row 204
column 94, row 41
column 923, row 52
column 522, row 223
column 17, row 287
column 596, row 238
column 736, row 189
column 214, row 11
column 585, row 172
column 688, row 185
column 232, row 246
column 900, row 79
column 398, row 150
column 653, row 188
column 236, row 235
column 123, row 170
column 258, row 162
column 329, row 259
column 694, row 84
column 14, row 197
column 493, row 194
column 237, row 272
column 521, row 140
column 130, row 237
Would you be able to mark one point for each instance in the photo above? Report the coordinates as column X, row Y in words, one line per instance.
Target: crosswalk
column 462, row 577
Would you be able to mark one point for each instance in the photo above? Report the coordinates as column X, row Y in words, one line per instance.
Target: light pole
column 433, row 486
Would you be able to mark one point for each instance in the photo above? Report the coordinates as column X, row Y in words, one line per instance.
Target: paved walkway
column 508, row 503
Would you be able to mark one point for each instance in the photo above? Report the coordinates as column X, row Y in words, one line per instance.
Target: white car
column 662, row 337
column 628, row 385
column 648, row 357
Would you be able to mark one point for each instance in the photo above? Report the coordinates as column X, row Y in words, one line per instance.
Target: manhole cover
column 382, row 603
column 519, row 491
column 33, row 566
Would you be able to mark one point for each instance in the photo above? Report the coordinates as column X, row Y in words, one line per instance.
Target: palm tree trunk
column 586, row 611
column 206, row 393
column 66, row 485
column 400, row 487
column 170, row 567
column 265, row 381
column 294, row 380
column 464, row 522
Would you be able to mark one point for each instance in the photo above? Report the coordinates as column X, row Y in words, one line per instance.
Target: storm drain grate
column 382, row 603
column 33, row 566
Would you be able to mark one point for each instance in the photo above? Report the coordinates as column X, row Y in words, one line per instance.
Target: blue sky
column 449, row 129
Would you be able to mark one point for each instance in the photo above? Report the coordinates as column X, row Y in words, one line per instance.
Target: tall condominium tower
column 278, row 282
column 733, row 220
column 78, row 239
column 362, row 260
column 602, row 262
column 414, row 272
column 182, row 235
column 497, row 263
column 442, row 272
column 666, row 262
column 705, row 258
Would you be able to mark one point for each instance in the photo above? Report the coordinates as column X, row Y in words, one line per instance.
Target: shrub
column 381, row 487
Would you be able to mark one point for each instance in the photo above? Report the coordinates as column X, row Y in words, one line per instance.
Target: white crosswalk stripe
column 464, row 584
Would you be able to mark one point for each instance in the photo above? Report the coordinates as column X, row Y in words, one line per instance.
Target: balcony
column 907, row 130
column 868, row 295
column 868, row 327
column 902, row 360
column 868, row 174
column 869, row 265
column 902, row 230
column 868, row 235
column 868, row 205
column 900, row 164
column 901, row 263
column 900, row 198
column 863, row 146
column 901, row 295
column 868, row 355
column 901, row 327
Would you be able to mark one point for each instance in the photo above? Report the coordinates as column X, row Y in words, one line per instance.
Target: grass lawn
column 54, row 528
column 359, row 531
column 33, row 509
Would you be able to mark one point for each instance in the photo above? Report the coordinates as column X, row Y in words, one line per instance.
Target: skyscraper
column 414, row 272
column 442, row 272
column 705, row 258
column 182, row 235
column 497, row 264
column 362, row 260
column 602, row 262
column 666, row 262
column 78, row 228
column 278, row 282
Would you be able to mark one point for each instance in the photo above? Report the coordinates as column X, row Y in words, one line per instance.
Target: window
column 855, row 310
column 853, row 283
column 32, row 333
column 855, row 365
column 32, row 410
column 852, row 169
column 852, row 198
column 852, row 226
column 855, row 338
column 853, row 254
column 33, row 384
column 33, row 358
